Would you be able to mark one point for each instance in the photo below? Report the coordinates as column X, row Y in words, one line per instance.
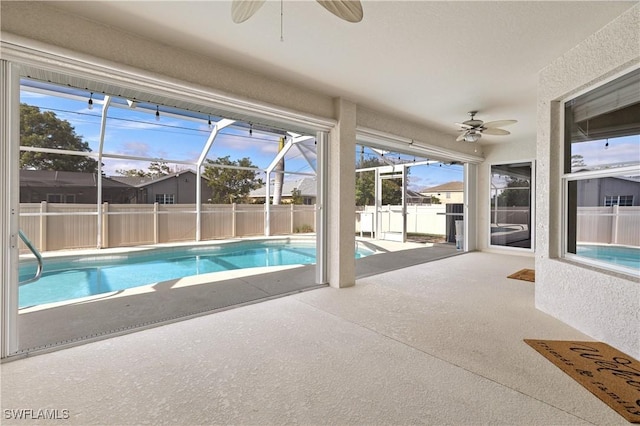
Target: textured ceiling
column 428, row 61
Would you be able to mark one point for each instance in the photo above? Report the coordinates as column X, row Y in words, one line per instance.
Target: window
column 54, row 198
column 61, row 198
column 602, row 158
column 511, row 205
column 165, row 199
column 448, row 195
column 618, row 200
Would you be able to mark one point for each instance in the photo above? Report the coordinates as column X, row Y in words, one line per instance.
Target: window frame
column 532, row 207
column 609, row 200
column 567, row 177
column 165, row 197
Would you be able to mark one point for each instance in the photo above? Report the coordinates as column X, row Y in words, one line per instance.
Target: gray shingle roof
column 53, row 179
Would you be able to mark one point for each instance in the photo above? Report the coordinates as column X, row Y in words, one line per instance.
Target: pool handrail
column 36, row 253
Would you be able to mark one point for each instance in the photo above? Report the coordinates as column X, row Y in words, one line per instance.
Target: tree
column 159, row 169
column 296, row 196
column 45, row 130
column 577, row 160
column 155, row 170
column 515, row 195
column 231, row 185
column 365, row 185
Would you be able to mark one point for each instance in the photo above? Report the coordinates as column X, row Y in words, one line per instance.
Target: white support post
column 470, row 217
column 342, row 187
column 203, row 156
column 404, row 203
column 614, row 224
column 103, row 126
column 377, row 222
column 267, row 206
column 267, row 201
column 155, row 223
column 234, row 220
column 292, row 221
column 43, row 226
column 9, row 205
column 322, row 244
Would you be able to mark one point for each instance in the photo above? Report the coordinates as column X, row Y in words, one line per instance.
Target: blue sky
column 137, row 133
column 605, row 152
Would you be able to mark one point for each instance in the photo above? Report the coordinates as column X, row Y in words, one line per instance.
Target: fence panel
column 627, row 229
column 32, row 227
column 304, row 218
column 73, row 231
column 217, row 221
column 427, row 219
column 609, row 225
column 249, row 220
column 134, row 228
column 281, row 217
column 420, row 219
column 593, row 225
column 176, row 223
column 510, row 215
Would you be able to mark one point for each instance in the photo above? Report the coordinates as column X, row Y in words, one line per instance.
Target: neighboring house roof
column 306, row 186
column 54, row 179
column 414, row 194
column 142, row 181
column 455, row 186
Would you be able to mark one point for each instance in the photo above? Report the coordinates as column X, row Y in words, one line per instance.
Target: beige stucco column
column 342, row 187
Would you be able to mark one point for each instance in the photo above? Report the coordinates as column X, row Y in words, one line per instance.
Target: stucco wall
column 603, row 305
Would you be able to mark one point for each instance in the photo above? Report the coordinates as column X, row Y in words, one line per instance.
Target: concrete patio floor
column 433, row 343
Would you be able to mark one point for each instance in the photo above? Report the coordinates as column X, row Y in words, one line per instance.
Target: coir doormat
column 524, row 274
column 606, row 372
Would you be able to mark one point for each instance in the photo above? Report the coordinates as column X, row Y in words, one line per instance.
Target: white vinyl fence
column 420, row 219
column 609, row 225
column 74, row 226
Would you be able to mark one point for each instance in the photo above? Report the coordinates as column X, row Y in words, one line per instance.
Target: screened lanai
column 140, row 177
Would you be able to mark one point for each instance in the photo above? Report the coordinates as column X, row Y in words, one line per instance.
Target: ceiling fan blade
column 461, row 137
column 495, row 132
column 499, row 123
column 241, row 10
column 464, row 126
column 349, row 10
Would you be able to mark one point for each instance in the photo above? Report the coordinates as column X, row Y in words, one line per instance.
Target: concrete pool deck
column 433, row 343
column 49, row 326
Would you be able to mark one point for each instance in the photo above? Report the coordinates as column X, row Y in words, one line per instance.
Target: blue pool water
column 64, row 280
column 628, row 257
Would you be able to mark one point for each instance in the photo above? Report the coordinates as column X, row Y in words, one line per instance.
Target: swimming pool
column 71, row 278
column 628, row 257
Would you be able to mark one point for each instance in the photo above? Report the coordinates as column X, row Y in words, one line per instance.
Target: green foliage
column 365, row 185
column 231, row 185
column 296, row 197
column 577, row 160
column 514, row 195
column 155, row 170
column 303, row 229
column 159, row 169
column 45, row 130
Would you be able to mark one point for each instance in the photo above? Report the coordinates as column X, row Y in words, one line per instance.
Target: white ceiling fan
column 349, row 10
column 473, row 129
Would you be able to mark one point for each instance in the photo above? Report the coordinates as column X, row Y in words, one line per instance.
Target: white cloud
column 139, row 149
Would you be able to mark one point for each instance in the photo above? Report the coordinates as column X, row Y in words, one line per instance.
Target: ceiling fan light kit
column 473, row 128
